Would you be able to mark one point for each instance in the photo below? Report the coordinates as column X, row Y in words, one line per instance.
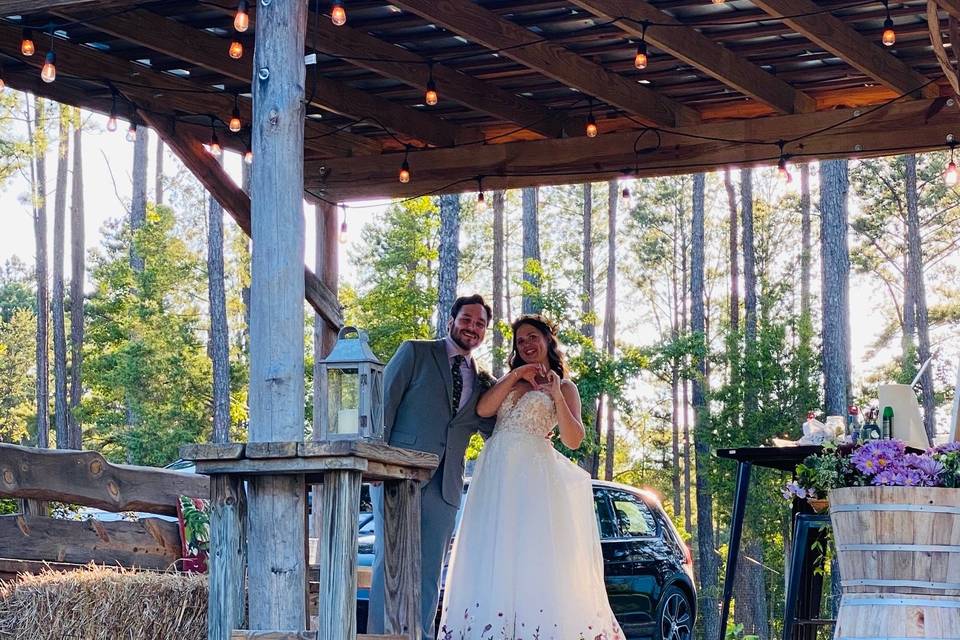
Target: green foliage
column 147, row 372
column 17, row 387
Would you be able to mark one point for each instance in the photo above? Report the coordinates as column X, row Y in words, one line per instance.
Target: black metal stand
column 733, row 549
column 803, row 579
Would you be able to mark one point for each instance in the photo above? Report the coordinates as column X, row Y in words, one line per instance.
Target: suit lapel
column 443, row 363
column 476, row 390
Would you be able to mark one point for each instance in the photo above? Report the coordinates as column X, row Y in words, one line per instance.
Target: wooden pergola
column 333, row 112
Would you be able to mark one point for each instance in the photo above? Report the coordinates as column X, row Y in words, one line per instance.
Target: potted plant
column 896, row 527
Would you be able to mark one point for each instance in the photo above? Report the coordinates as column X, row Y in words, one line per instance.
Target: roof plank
column 694, row 48
column 526, row 47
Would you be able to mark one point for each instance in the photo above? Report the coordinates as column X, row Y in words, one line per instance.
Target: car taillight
column 688, row 561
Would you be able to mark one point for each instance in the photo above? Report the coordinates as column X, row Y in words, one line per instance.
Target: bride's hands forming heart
column 550, row 385
column 530, row 373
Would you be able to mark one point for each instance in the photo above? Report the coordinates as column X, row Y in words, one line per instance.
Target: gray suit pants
column 437, row 519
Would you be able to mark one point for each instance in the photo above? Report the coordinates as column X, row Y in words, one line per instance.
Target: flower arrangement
column 876, row 463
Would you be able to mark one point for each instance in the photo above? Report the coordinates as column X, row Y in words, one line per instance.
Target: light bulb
column 951, row 175
column 132, row 133
column 241, row 21
column 236, row 50
column 480, row 198
column 405, row 172
column 3, row 85
column 338, row 15
column 640, row 61
column 235, row 124
column 248, row 156
column 625, row 193
column 112, row 123
column 431, row 97
column 343, row 232
column 889, row 36
column 718, row 1
column 215, row 149
column 591, row 127
column 49, row 71
column 783, row 171
column 27, row 47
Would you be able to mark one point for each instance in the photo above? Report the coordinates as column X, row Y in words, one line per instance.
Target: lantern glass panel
column 343, row 391
column 376, row 403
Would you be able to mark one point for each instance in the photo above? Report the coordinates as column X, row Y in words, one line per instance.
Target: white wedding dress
column 526, row 563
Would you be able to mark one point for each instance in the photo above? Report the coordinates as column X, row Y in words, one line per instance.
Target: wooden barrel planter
column 899, row 554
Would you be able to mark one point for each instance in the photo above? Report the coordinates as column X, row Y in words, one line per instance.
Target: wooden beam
column 487, row 28
column 237, row 203
column 166, row 93
column 150, row 543
column 697, row 50
column 952, row 7
column 902, row 127
column 86, row 478
column 366, row 51
column 208, row 51
column 24, row 7
column 842, row 40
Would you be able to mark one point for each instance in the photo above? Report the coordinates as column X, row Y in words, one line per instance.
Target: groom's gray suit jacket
column 418, row 398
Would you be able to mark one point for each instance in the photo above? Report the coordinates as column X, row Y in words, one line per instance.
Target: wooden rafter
column 697, row 50
column 165, row 93
column 25, row 7
column 897, row 128
column 367, row 52
column 526, row 47
column 952, row 7
column 198, row 48
column 831, row 33
column 236, row 202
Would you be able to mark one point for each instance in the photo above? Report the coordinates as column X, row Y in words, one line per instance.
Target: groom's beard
column 455, row 336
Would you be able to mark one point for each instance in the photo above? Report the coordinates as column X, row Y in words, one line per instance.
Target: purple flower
column 792, row 489
column 875, row 455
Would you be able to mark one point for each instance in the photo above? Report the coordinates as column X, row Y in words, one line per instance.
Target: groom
column 430, row 397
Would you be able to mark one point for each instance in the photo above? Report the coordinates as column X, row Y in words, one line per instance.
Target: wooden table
column 339, row 468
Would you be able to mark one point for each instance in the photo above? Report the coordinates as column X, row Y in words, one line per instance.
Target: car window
column 605, row 517
column 634, row 518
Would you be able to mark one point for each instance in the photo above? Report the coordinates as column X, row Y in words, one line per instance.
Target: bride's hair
column 558, row 363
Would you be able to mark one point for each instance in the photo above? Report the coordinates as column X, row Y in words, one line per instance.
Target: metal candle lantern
column 353, row 404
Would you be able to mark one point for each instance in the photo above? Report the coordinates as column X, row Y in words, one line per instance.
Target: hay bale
column 97, row 603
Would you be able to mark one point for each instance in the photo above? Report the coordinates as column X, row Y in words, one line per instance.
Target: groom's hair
column 465, row 300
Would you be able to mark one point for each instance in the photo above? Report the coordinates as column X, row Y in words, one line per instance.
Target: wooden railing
column 28, row 542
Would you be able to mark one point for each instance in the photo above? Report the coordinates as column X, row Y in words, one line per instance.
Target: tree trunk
column 707, row 565
column 734, row 256
column 751, row 592
column 675, row 365
column 60, row 409
column 531, row 251
column 138, row 197
column 749, row 293
column 77, row 281
column 38, row 172
column 449, row 258
column 498, row 279
column 158, row 174
column 586, row 293
column 835, row 275
column 219, row 333
column 908, row 339
column 919, row 290
column 805, row 241
column 684, row 383
column 610, row 314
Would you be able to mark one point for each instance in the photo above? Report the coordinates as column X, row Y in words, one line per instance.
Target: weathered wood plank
column 11, row 7
column 337, row 555
column 240, row 634
column 86, row 478
column 212, row 451
column 272, row 449
column 227, row 575
column 150, row 543
column 401, row 514
column 282, row 466
column 371, row 450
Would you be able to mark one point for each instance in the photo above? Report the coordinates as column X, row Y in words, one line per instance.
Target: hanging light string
column 889, row 37
column 641, row 59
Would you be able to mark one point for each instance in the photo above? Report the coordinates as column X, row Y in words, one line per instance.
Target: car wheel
column 674, row 616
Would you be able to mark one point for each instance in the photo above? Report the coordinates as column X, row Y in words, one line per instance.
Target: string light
column 480, row 197
column 214, row 147
column 640, row 60
column 112, row 120
column 241, row 21
column 248, row 155
column 343, row 226
column 236, row 49
column 405, row 167
column 3, row 85
column 49, row 71
column 27, row 47
column 132, row 132
column 782, row 165
column 235, row 124
column 718, row 1
column 625, row 194
column 888, row 37
column 951, row 176
column 338, row 15
column 431, row 97
column 592, row 130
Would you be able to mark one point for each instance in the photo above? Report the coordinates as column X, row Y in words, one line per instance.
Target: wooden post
column 276, row 525
column 339, row 507
column 227, row 557
column 401, row 542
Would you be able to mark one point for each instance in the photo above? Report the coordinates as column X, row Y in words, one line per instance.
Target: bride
column 526, row 563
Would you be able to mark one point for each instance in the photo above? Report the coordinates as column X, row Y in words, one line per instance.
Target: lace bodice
column 532, row 412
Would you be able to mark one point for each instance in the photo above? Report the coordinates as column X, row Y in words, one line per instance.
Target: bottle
column 887, row 422
column 870, row 430
column 853, row 422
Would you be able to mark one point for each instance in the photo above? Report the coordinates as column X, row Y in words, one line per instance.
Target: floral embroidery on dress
column 507, row 631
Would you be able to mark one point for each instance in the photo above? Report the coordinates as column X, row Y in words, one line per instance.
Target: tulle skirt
column 526, row 563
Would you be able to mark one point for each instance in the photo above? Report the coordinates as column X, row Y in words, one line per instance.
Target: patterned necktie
column 457, row 382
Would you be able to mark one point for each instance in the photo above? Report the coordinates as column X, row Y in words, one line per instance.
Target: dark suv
column 648, row 569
